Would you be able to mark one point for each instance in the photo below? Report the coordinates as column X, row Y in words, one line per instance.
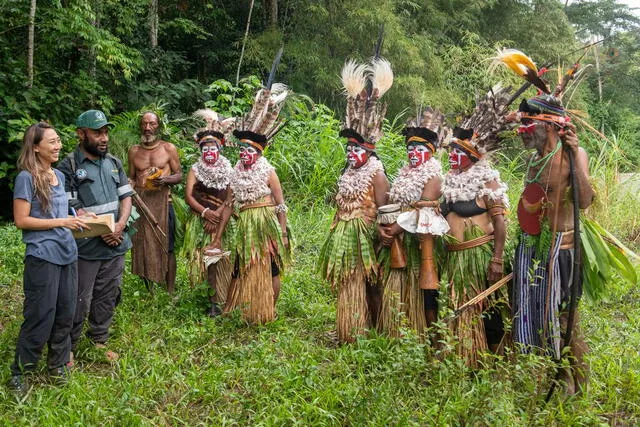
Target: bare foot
column 111, row 356
column 72, row 360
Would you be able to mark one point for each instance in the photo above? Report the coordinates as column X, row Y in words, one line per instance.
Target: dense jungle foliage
column 61, row 57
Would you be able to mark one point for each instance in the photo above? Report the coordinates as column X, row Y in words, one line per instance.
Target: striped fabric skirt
column 540, row 286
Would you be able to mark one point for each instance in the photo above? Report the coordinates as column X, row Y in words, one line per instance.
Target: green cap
column 92, row 119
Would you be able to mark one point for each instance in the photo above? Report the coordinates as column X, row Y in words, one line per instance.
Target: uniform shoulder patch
column 81, row 173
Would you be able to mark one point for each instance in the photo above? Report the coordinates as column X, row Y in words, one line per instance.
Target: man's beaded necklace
column 544, row 161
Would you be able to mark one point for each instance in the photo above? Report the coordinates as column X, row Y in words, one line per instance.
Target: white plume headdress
column 364, row 85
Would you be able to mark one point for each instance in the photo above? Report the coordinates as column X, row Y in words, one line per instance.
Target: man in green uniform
column 96, row 182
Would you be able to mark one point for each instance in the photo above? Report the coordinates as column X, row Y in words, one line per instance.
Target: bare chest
column 157, row 157
column 552, row 177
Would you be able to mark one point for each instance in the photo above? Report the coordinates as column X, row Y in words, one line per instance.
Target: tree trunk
column 244, row 41
column 596, row 54
column 273, row 12
column 30, row 47
column 92, row 51
column 153, row 23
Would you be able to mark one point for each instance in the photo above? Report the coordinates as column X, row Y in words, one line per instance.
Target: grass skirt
column 258, row 242
column 193, row 238
column 222, row 270
column 466, row 273
column 352, row 311
column 348, row 262
column 402, row 297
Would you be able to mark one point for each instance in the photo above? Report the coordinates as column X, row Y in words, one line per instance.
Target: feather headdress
column 364, row 115
column 219, row 126
column 428, row 127
column 522, row 65
column 546, row 106
column 478, row 133
column 354, row 78
column 262, row 122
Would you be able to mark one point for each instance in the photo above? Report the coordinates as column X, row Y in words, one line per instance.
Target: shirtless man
column 543, row 275
column 154, row 166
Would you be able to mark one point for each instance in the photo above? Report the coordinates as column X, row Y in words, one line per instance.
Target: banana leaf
column 348, row 246
column 606, row 259
column 255, row 232
column 182, row 211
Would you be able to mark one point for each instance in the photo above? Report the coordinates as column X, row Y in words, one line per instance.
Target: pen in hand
column 75, row 214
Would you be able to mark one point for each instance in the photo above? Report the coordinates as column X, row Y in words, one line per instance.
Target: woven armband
column 497, row 209
column 426, row 204
column 281, row 208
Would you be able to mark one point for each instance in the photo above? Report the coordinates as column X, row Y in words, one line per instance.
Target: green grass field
column 179, row 367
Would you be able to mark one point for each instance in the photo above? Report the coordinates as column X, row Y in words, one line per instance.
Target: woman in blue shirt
column 50, row 281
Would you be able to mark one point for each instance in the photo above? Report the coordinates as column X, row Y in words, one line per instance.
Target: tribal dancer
column 261, row 243
column 542, row 276
column 207, row 193
column 410, row 281
column 474, row 205
column 348, row 259
column 544, row 260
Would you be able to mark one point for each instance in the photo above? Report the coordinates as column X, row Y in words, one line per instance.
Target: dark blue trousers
column 49, row 306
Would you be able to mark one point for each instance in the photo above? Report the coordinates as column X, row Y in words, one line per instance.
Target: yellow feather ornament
column 520, row 64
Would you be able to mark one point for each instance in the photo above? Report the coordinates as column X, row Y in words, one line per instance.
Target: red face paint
column 418, row 154
column 356, row 156
column 248, row 156
column 533, row 133
column 527, row 129
column 210, row 154
column 458, row 159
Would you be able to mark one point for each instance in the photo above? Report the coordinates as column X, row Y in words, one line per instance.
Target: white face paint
column 210, row 154
column 418, row 154
column 458, row 159
column 356, row 156
column 248, row 156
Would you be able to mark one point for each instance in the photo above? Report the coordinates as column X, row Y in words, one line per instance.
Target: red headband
column 549, row 118
column 209, row 138
column 426, row 142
